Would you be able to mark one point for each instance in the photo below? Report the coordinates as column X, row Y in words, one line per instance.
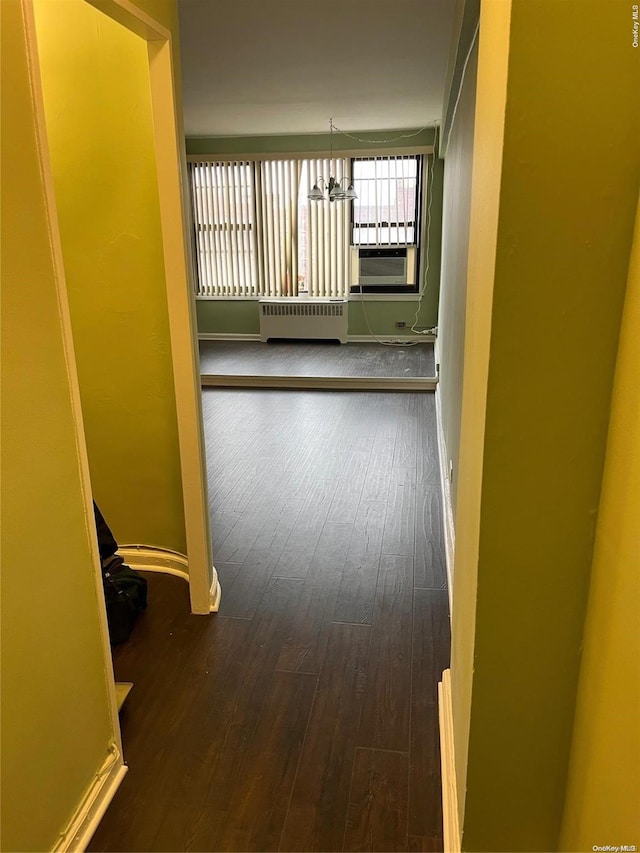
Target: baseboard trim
column 351, row 339
column 447, row 506
column 215, row 593
column 90, row 812
column 227, row 336
column 393, row 339
column 150, row 558
column 450, row 820
column 336, row 383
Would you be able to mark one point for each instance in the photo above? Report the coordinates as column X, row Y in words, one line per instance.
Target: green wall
column 99, row 123
column 553, row 304
column 241, row 316
column 56, row 723
column 305, row 143
column 455, row 242
column 226, row 317
column 383, row 315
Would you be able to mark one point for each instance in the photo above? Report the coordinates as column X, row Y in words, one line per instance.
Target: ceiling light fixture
column 335, row 189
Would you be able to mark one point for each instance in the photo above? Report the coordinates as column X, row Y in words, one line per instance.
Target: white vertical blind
column 326, row 232
column 258, row 253
column 280, row 183
column 257, row 234
column 215, row 235
column 224, row 225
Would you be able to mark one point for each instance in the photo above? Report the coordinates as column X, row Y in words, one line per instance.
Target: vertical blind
column 257, row 234
column 326, row 234
column 278, row 212
column 224, row 213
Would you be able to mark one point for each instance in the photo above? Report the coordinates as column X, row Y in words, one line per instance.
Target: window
column 257, row 234
column 323, row 233
column 386, row 212
column 223, row 196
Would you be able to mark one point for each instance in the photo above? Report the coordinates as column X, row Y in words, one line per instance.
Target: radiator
column 319, row 319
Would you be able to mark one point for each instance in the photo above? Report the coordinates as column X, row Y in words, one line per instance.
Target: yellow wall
column 485, row 197
column 56, row 724
column 604, row 777
column 98, row 108
column 542, row 334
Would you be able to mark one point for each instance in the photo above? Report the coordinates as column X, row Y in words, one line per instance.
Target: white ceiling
column 260, row 67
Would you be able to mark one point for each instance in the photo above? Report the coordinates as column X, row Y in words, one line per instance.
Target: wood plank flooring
column 302, row 358
column 303, row 716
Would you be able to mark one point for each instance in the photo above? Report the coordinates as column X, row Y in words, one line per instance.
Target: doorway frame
column 202, row 577
column 204, row 589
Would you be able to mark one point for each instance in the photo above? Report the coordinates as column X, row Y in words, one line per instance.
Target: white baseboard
column 352, row 339
column 450, row 820
column 335, row 383
column 90, row 812
column 447, row 506
column 403, row 339
column 150, row 558
column 215, row 593
column 227, row 336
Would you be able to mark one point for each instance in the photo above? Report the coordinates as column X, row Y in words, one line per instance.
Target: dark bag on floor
column 107, row 544
column 125, row 591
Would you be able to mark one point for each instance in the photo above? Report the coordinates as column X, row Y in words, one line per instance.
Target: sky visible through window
column 384, row 214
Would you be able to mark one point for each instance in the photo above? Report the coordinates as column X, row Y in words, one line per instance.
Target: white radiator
column 307, row 319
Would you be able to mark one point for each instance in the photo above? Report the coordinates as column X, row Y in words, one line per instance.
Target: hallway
column 304, row 715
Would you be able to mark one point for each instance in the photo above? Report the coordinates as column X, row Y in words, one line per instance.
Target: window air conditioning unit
column 383, row 266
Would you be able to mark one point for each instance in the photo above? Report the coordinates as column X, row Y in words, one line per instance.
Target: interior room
column 335, row 222
column 331, row 310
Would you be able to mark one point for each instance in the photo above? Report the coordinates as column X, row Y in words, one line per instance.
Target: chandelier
column 333, row 189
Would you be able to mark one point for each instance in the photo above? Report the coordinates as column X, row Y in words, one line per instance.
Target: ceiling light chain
column 333, row 187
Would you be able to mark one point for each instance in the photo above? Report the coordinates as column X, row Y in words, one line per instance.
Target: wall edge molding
column 336, row 383
column 227, row 336
column 215, row 593
column 447, row 506
column 352, row 297
column 94, row 804
column 372, row 339
column 320, row 153
column 452, row 839
column 351, row 339
column 151, row 558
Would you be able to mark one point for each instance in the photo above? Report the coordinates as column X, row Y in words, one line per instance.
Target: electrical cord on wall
column 379, row 340
column 373, row 334
column 453, row 117
column 383, row 141
column 427, row 259
column 430, row 177
column 464, row 71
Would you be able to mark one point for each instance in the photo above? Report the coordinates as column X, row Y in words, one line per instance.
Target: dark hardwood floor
column 303, row 716
column 302, row 358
